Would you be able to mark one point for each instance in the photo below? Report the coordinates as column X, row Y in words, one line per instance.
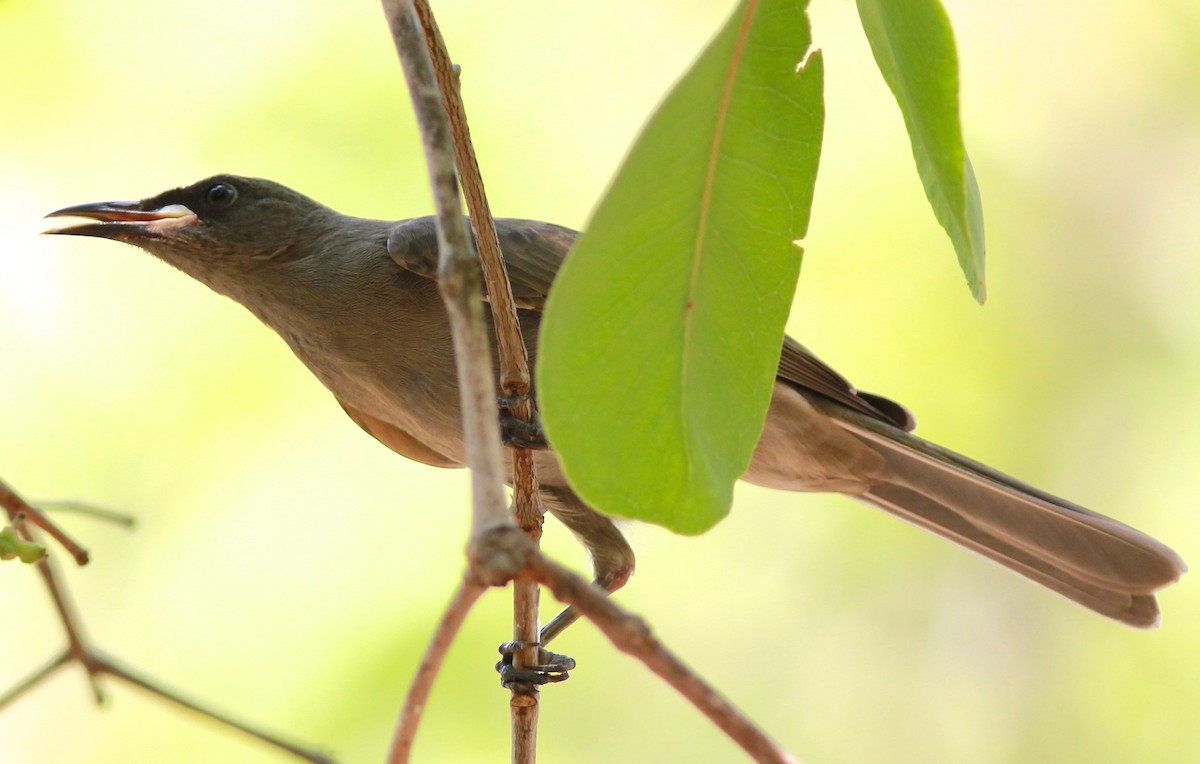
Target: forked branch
column 498, row 552
column 94, row 661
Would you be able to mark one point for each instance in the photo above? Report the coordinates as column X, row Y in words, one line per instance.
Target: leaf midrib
column 714, row 153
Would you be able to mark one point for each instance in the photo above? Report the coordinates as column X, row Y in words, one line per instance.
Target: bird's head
column 225, row 224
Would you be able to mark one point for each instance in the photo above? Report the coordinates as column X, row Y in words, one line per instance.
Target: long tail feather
column 1092, row 559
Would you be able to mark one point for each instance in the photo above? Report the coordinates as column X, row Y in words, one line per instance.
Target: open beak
column 119, row 220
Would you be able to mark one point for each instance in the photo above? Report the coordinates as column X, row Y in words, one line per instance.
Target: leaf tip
column 979, row 290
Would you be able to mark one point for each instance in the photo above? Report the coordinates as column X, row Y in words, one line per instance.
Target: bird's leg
column 550, row 667
column 517, row 433
column 609, row 581
column 612, row 562
column 612, row 558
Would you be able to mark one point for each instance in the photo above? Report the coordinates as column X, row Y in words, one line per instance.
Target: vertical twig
column 498, row 550
column 524, row 703
column 514, row 377
column 458, row 276
column 514, row 358
column 491, row 559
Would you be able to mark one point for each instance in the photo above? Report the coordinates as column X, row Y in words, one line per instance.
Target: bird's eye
column 220, row 196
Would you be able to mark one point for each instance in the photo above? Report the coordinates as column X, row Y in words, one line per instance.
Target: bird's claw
column 550, row 667
column 517, row 433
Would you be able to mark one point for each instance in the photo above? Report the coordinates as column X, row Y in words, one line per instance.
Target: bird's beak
column 121, row 220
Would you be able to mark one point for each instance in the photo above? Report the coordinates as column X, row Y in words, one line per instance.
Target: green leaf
column 662, row 331
column 914, row 49
column 13, row 546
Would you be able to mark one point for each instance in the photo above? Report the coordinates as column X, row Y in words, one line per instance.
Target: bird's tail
column 1092, row 559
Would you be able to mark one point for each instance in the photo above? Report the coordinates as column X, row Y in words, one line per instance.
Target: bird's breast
column 380, row 345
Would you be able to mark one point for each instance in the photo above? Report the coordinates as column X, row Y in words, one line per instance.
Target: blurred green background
column 289, row 568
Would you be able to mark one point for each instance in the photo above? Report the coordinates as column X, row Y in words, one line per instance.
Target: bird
column 356, row 300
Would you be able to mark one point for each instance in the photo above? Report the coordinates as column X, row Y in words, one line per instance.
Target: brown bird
column 354, row 300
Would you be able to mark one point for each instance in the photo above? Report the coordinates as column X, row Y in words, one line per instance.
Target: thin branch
column 68, row 615
column 632, row 635
column 35, row 678
column 514, row 376
column 15, row 505
column 435, row 654
column 97, row 664
column 514, row 359
column 104, row 664
column 458, row 278
column 90, row 510
column 524, row 703
column 498, row 549
column 490, row 563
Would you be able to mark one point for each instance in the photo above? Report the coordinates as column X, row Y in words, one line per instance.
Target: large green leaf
column 662, row 331
column 914, row 48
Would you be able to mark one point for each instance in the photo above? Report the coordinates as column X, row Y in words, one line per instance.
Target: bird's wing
column 533, row 252
column 801, row 369
column 398, row 440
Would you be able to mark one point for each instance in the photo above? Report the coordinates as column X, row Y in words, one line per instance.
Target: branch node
column 522, row 700
column 499, row 553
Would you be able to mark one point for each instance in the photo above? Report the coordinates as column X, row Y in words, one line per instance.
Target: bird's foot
column 550, row 667
column 517, row 433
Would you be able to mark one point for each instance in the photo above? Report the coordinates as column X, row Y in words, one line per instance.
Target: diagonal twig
column 632, row 635
column 418, row 692
column 15, row 505
column 35, row 678
column 104, row 664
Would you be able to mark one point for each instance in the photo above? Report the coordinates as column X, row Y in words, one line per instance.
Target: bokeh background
column 289, row 568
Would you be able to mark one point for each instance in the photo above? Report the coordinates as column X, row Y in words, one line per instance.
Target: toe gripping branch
column 517, row 433
column 550, row 668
